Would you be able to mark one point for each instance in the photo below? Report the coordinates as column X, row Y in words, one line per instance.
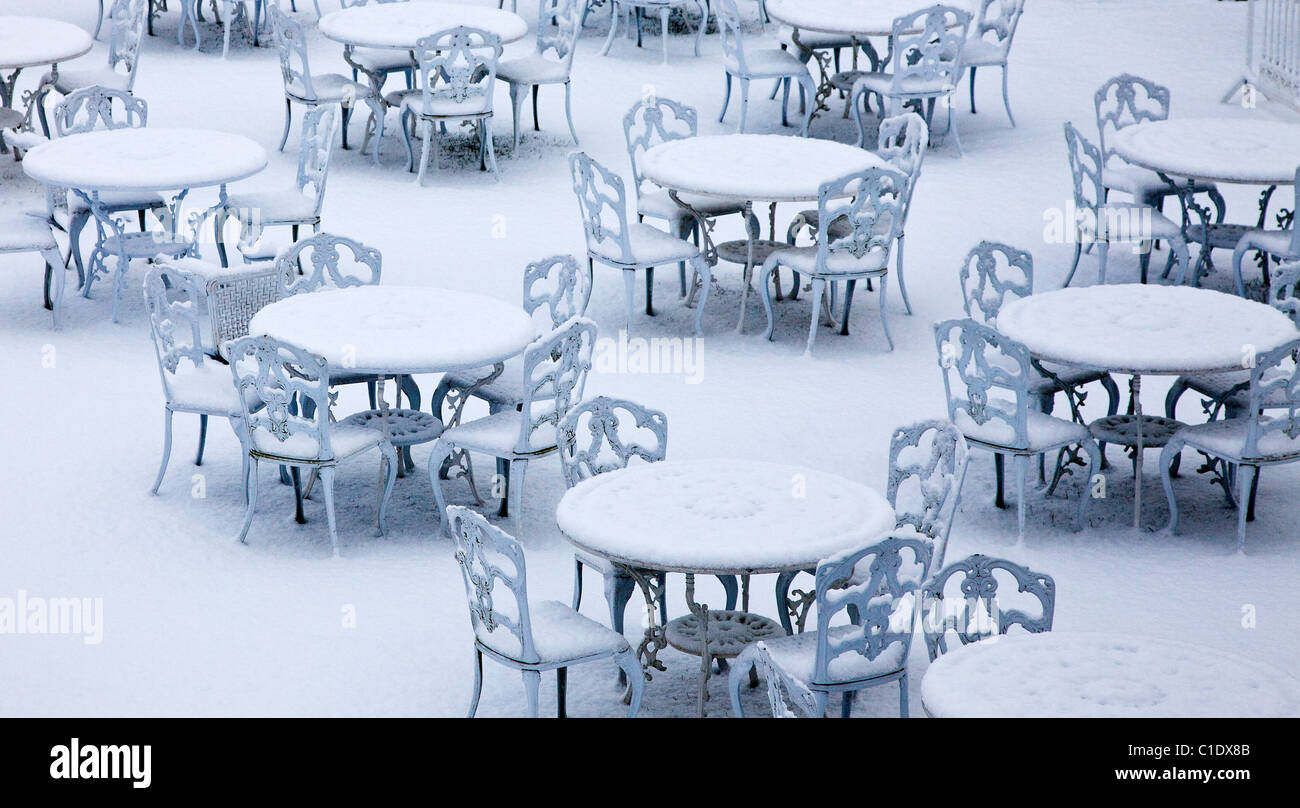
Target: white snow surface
column 1259, row 152
column 401, row 25
column 30, row 41
column 1096, row 675
column 861, row 17
column 196, row 624
column 1145, row 328
column 722, row 515
column 399, row 329
column 150, row 159
column 754, row 167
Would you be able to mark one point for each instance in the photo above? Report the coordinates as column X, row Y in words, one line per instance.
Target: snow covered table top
column 32, row 41
column 848, row 17
column 1145, row 328
column 1059, row 674
column 767, row 168
column 148, row 159
column 399, row 329
column 1251, row 151
column 721, row 516
column 400, row 25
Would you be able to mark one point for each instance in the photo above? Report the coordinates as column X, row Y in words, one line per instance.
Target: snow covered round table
column 1188, row 151
column 752, row 168
column 1143, row 329
column 398, row 26
column 719, row 517
column 35, row 42
column 1087, row 675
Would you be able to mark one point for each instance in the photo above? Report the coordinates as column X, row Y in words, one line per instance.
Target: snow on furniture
column 536, row 69
column 1282, row 244
column 398, row 26
column 528, row 637
column 631, row 11
column 32, row 42
column 127, row 19
column 982, row 50
column 1085, row 675
column 980, row 612
column 377, row 63
column 21, row 232
column 760, row 63
column 845, row 658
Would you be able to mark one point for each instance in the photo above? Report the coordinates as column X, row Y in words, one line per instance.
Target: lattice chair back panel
column 1085, row 170
column 319, row 126
column 652, row 121
column 555, row 372
column 986, row 379
column 927, row 46
column 174, row 298
column 98, row 107
column 559, row 286
column 927, row 461
column 127, row 18
column 733, row 46
column 1284, row 290
column 885, row 599
column 291, row 42
column 458, row 69
column 234, row 298
column 996, row 22
column 991, row 273
column 1275, row 384
column 562, row 39
column 979, row 597
column 284, row 376
column 602, row 202
column 1125, row 100
column 861, row 215
column 493, row 570
column 321, row 263
column 607, row 434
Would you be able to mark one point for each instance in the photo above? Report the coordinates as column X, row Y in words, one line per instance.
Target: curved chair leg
column 629, row 287
column 568, row 112
column 478, row 683
column 649, row 291
column 203, row 438
column 577, row 583
column 744, row 103
column 902, row 696
column 327, row 483
column 818, row 289
column 1178, row 246
column 485, row 132
column 407, row 123
column 856, row 104
column 898, row 270
column 740, row 668
column 1078, row 250
column 627, row 661
column 516, row 493
column 425, row 136
column 250, row 498
column 1171, row 451
column 75, row 226
column 972, row 90
column 1246, row 476
column 1006, row 101
column 1171, row 408
column 704, row 23
column 532, row 681
column 1094, row 464
column 1238, row 254
column 807, row 88
column 663, row 21
column 55, row 269
column 706, row 281
column 1103, row 250
column 1022, row 473
column 884, row 310
column 392, row 463
column 439, row 451
column 288, row 116
column 167, row 448
column 614, row 17
column 516, row 106
column 766, row 289
column 726, row 97
column 785, row 100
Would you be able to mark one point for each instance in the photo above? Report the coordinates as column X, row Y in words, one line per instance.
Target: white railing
column 1272, row 53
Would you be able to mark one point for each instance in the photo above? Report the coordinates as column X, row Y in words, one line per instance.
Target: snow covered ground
column 194, row 623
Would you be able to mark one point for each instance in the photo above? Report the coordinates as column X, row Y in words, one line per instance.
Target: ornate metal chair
column 192, row 381
column 532, row 71
column 1104, row 223
column 457, row 76
column 555, row 371
column 22, row 232
column 870, row 650
column 236, row 11
column 760, row 63
column 873, row 218
column 284, row 377
column 1281, row 244
column 1266, row 433
column 633, row 10
column 927, row 464
column 925, row 49
column 981, row 613
column 528, row 637
column 310, row 90
column 380, row 63
column 982, row 50
column 126, row 20
column 293, row 207
column 613, row 241
column 986, row 379
column 648, row 123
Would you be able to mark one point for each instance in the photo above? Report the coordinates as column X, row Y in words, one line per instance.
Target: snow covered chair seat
column 746, row 64
column 20, row 232
column 528, row 637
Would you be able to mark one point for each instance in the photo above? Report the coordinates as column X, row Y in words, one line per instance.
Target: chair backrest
column 980, row 613
column 174, row 298
column 927, row 461
column 990, row 273
column 1275, row 385
column 654, row 120
column 322, row 269
column 561, row 285
column 733, row 46
column 489, row 556
column 1001, row 23
column 458, row 67
column 315, row 149
column 127, row 21
column 1125, row 100
column 92, row 108
column 555, row 372
column 602, row 201
column 783, row 689
column 236, row 295
column 861, row 215
column 616, row 430
column 284, row 376
column 902, row 141
column 562, row 39
column 291, row 42
column 977, row 364
column 885, row 601
column 1085, row 171
column 927, row 45
column 1284, row 290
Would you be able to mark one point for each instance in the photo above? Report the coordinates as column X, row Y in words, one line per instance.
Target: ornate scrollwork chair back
column 984, row 602
column 555, row 372
column 606, row 434
column 320, row 261
column 495, row 576
column 978, row 364
column 602, row 202
column 97, row 107
column 991, row 273
column 652, row 121
column 560, row 286
column 284, row 376
column 927, row 461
